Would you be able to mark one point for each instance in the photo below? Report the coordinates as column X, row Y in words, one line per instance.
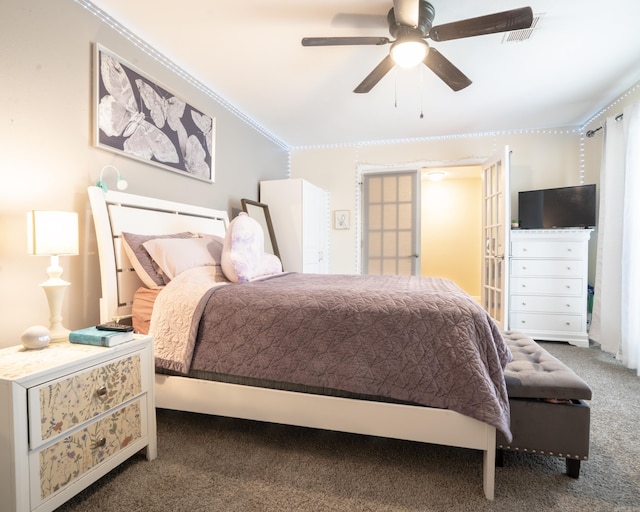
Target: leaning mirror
column 260, row 212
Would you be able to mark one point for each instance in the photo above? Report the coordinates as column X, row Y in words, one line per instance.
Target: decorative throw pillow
column 140, row 259
column 272, row 264
column 175, row 255
column 243, row 256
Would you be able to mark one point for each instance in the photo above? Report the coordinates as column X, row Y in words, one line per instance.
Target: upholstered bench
column 548, row 413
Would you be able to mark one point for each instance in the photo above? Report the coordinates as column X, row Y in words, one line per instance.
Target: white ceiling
column 582, row 54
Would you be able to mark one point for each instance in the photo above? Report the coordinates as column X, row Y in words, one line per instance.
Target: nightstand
column 69, row 414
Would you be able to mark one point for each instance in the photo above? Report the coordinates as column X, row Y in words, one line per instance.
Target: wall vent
column 523, row 34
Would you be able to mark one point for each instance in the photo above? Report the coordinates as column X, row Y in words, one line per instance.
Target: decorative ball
column 36, row 336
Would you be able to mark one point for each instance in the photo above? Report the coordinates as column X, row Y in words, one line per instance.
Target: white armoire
column 300, row 216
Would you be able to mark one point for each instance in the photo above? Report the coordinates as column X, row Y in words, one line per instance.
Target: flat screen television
column 566, row 207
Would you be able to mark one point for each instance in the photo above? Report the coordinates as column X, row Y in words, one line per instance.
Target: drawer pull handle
column 102, row 392
column 100, row 442
column 524, row 303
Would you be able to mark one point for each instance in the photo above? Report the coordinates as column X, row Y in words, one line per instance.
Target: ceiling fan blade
column 506, row 21
column 446, row 71
column 376, row 75
column 339, row 41
column 406, row 12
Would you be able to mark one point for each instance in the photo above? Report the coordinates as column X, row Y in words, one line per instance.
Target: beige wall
column 47, row 159
column 451, row 229
column 539, row 159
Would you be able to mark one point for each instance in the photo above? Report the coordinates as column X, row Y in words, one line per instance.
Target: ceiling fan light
column 408, row 54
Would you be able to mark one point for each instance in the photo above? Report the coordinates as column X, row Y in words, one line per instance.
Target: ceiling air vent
column 521, row 35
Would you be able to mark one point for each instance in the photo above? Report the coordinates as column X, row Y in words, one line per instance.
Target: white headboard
column 115, row 212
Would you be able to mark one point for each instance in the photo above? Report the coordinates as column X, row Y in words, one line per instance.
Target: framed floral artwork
column 138, row 118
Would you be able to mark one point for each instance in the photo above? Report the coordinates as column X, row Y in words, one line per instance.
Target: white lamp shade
column 52, row 233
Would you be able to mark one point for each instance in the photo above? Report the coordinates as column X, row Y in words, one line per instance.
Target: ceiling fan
column 410, row 23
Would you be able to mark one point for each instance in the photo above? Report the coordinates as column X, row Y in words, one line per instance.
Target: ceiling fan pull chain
column 421, row 95
column 395, row 87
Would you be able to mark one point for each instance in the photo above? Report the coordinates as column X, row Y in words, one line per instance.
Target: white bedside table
column 69, row 414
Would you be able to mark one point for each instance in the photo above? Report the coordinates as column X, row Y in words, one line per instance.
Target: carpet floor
column 208, row 463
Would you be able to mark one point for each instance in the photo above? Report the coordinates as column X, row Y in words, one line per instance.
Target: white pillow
column 175, row 255
column 140, row 259
column 243, row 256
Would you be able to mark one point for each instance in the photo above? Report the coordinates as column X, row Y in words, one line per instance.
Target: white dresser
column 548, row 284
column 69, row 414
column 300, row 215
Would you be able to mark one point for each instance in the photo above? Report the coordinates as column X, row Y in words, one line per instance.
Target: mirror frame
column 264, row 218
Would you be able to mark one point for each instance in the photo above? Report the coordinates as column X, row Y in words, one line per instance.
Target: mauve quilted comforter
column 414, row 339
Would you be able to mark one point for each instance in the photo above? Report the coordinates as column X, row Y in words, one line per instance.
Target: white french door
column 390, row 223
column 496, row 225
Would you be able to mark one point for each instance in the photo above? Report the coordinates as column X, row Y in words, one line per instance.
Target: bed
column 464, row 406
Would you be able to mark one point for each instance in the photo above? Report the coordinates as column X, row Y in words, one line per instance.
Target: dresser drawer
column 548, row 304
column 547, row 322
column 546, row 249
column 547, row 286
column 548, row 267
column 63, row 404
column 65, row 461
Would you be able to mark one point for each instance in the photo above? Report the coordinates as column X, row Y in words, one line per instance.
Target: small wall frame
column 341, row 219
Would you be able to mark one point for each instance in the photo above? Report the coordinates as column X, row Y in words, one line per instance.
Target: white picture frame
column 341, row 219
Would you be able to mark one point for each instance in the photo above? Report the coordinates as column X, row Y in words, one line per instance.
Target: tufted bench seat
column 549, row 415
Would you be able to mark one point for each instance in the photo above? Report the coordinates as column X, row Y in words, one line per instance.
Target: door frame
column 418, row 166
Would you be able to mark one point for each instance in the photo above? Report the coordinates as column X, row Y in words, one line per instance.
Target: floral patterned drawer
column 59, row 406
column 67, row 460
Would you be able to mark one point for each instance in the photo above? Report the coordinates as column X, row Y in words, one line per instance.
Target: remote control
column 114, row 326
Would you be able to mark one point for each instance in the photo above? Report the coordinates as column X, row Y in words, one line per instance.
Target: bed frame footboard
column 397, row 421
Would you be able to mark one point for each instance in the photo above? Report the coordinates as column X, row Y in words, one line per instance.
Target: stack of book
column 100, row 337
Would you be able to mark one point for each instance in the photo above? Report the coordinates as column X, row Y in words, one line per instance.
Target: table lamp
column 54, row 234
